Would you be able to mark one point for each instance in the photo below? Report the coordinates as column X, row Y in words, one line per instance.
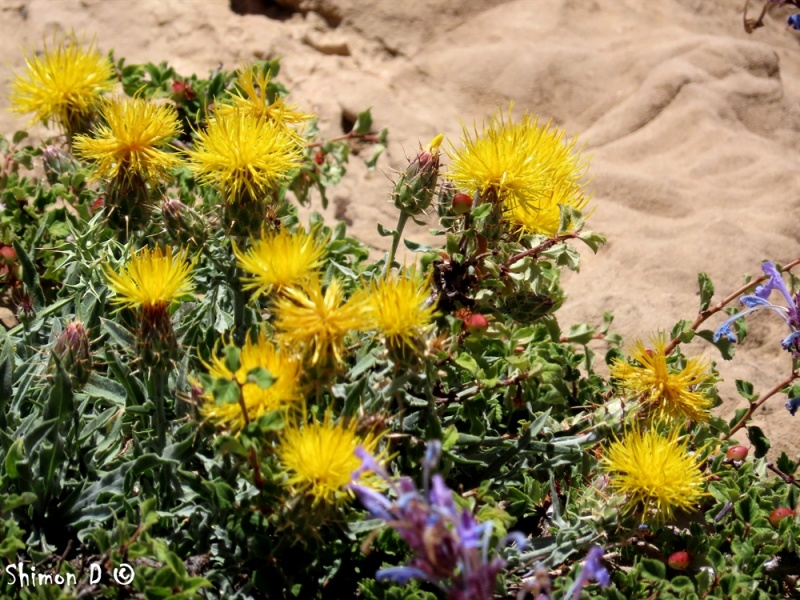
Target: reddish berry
column 462, row 204
column 679, row 560
column 8, row 254
column 737, row 452
column 779, row 514
column 477, row 323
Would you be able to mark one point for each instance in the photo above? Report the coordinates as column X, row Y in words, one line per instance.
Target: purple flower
column 793, row 405
column 758, row 301
column 450, row 547
column 592, row 569
column 794, row 21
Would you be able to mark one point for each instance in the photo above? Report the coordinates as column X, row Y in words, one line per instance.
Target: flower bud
column 72, row 350
column 477, row 324
column 462, row 204
column 182, row 91
column 57, row 163
column 679, row 560
column 736, row 453
column 25, row 310
column 182, row 223
column 413, row 192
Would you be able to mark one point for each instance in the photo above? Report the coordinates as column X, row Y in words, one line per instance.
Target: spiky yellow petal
column 252, row 96
column 319, row 321
column 244, row 156
column 284, row 393
column 656, row 472
column 319, row 458
column 151, row 278
column 131, row 143
column 280, row 260
column 665, row 392
column 527, row 167
column 401, row 308
column 63, row 84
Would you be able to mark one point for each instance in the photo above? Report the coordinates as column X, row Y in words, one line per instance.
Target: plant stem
column 159, row 380
column 401, row 224
column 754, row 406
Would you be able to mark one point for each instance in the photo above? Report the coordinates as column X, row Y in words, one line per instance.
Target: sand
column 693, row 125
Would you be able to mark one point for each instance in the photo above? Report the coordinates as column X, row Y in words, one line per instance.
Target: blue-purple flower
column 758, row 300
column 451, row 548
column 592, row 570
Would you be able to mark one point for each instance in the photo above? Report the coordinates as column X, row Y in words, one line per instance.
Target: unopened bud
column 477, row 324
column 57, row 163
column 182, row 91
column 462, row 203
column 72, row 350
column 182, row 223
column 413, row 192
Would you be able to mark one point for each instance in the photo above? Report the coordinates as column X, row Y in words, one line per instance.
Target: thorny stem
column 754, row 406
column 545, row 245
column 786, row 477
column 367, row 137
column 705, row 314
column 401, row 224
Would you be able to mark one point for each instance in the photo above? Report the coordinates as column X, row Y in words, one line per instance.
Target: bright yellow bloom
column 284, row 393
column 319, row 321
column 656, row 472
column 319, row 458
column 252, row 97
column 152, row 279
column 281, row 260
column 401, row 308
column 63, row 85
column 666, row 393
column 244, row 156
column 131, row 142
column 529, row 168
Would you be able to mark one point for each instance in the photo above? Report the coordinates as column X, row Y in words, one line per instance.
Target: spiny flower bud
column 57, row 163
column 413, row 192
column 72, row 350
column 182, row 223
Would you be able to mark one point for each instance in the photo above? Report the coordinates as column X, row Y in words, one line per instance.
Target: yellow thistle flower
column 244, row 156
column 319, row 458
column 666, row 393
column 319, row 321
column 63, row 85
column 525, row 166
column 280, row 260
column 284, row 393
column 400, row 308
column 656, row 472
column 152, row 279
column 251, row 97
column 130, row 143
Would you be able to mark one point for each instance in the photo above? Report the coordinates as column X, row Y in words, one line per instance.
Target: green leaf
column 19, row 136
column 580, row 334
column 15, row 454
column 706, row 291
column 760, row 442
column 653, row 569
column 745, row 389
column 226, row 391
column 363, row 123
column 786, row 465
column 232, row 354
column 30, row 276
column 261, row 377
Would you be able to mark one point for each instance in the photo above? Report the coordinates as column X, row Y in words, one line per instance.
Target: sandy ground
column 693, row 125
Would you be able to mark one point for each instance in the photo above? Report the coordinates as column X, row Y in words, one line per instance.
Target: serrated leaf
column 363, row 124
column 760, row 442
column 745, row 389
column 706, row 290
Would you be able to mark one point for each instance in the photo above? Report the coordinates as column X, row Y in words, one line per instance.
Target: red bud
column 679, row 560
column 737, row 452
column 462, row 204
column 477, row 323
column 779, row 514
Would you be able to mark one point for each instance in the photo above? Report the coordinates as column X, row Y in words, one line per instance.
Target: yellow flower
column 666, row 393
column 244, row 156
column 280, row 260
column 319, row 458
column 63, row 85
column 529, row 168
column 252, row 96
column 401, row 309
column 284, row 393
column 319, row 321
column 151, row 279
column 655, row 472
column 130, row 144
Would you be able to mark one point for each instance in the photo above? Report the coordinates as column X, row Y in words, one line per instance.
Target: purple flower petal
column 401, row 575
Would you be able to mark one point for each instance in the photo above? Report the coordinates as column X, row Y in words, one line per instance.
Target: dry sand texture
column 694, row 126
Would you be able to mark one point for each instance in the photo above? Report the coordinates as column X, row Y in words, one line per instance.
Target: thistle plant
column 236, row 403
